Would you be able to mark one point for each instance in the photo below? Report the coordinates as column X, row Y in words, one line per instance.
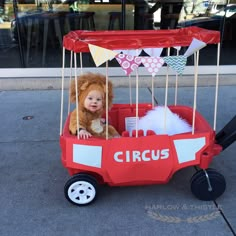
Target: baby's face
column 93, row 101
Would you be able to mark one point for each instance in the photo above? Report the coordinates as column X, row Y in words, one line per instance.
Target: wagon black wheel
column 207, row 188
column 81, row 189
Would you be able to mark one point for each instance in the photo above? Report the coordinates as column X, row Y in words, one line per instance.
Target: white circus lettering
column 138, row 156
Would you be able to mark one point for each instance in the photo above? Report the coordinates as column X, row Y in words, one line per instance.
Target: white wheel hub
column 81, row 192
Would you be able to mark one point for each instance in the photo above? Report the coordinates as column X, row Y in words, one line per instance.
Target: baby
column 91, row 107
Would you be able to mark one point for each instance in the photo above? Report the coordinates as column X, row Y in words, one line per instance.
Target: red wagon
column 137, row 158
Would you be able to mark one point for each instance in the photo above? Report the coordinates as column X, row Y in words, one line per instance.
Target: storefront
column 31, row 32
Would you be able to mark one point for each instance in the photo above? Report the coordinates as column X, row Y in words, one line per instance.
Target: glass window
column 31, row 31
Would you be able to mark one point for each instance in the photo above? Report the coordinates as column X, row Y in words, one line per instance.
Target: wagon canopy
column 78, row 40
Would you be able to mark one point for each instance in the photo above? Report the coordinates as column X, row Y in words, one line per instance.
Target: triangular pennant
column 101, row 55
column 152, row 64
column 194, row 46
column 132, row 52
column 153, row 52
column 128, row 63
column 177, row 48
column 117, row 51
column 177, row 63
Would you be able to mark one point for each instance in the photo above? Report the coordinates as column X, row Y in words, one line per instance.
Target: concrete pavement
column 32, row 178
column 22, row 83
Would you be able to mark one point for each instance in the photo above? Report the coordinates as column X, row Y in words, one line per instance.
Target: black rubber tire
column 86, row 187
column 199, row 185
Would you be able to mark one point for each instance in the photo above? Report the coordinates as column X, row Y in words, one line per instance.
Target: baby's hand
column 103, row 121
column 84, row 134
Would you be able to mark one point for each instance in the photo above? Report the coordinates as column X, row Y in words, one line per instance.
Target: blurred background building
column 31, row 31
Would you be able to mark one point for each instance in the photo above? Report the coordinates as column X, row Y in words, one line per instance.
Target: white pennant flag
column 153, row 52
column 132, row 52
column 177, row 48
column 101, row 55
column 118, row 51
column 194, row 46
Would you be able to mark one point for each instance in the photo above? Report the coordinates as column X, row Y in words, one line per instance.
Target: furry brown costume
column 91, row 121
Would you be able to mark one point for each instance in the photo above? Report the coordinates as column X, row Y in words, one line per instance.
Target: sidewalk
column 121, row 81
column 32, row 178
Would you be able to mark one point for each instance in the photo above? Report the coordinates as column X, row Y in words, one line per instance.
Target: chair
column 29, row 26
column 170, row 14
column 148, row 20
column 113, row 18
column 37, row 29
column 80, row 21
column 53, row 29
column 61, row 23
column 88, row 20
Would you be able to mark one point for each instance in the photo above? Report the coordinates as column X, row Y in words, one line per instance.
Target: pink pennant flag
column 152, row 64
column 128, row 63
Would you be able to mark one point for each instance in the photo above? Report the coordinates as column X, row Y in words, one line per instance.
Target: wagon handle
column 226, row 136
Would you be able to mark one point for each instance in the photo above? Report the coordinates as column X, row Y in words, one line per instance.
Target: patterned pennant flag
column 128, row 63
column 177, row 63
column 101, row 55
column 152, row 64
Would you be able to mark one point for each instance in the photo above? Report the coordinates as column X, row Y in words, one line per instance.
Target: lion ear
column 84, row 85
column 81, row 87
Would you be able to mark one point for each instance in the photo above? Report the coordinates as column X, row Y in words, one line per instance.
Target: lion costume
column 91, row 121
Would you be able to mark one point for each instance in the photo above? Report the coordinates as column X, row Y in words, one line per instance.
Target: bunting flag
column 194, row 46
column 177, row 63
column 177, row 48
column 101, row 55
column 153, row 52
column 132, row 52
column 152, row 64
column 128, row 63
column 117, row 51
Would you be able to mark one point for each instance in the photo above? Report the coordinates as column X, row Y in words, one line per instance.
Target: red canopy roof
column 78, row 40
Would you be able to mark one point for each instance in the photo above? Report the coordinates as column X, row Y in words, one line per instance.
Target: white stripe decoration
column 87, row 155
column 186, row 149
